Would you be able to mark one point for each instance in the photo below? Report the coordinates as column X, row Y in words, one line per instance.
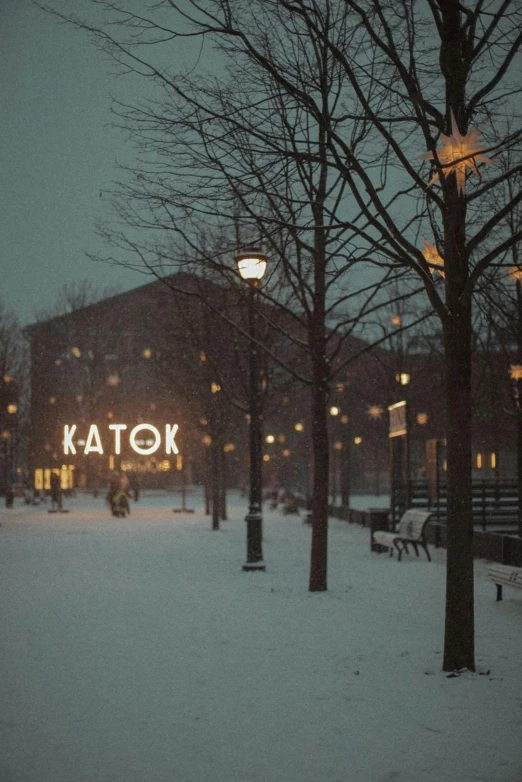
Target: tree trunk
column 518, row 403
column 222, row 484
column 459, row 639
column 319, row 554
column 321, row 375
column 459, row 631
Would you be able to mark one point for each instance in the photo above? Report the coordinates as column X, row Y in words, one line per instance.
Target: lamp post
column 251, row 265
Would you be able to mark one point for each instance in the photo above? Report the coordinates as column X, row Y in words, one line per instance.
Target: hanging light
column 433, row 259
column 457, row 154
column 515, row 371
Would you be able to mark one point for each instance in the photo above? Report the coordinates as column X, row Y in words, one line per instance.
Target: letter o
column 151, row 448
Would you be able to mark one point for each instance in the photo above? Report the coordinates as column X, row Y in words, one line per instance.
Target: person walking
column 56, row 492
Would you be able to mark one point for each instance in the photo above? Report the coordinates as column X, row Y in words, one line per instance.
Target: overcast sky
column 57, row 154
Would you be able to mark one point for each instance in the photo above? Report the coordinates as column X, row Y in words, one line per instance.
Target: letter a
column 68, row 435
column 93, row 435
column 170, row 433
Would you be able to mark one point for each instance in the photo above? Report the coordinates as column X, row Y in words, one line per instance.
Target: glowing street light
column 251, row 265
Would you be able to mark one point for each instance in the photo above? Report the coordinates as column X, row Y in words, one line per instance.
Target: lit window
column 357, row 440
column 229, row 447
column 480, row 461
column 202, row 356
column 299, row 427
column 422, row 418
column 76, row 352
column 113, row 380
column 215, row 387
column 403, row 378
column 493, row 460
column 396, row 320
column 11, row 409
column 146, row 353
column 339, row 387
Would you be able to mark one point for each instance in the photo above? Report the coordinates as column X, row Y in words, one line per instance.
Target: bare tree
column 13, row 394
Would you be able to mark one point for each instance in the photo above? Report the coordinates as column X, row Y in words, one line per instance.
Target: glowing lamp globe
column 251, row 264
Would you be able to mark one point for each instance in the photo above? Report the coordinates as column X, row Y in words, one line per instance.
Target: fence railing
column 495, row 502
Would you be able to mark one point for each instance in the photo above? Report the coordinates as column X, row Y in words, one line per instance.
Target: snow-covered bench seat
column 411, row 531
column 505, row 575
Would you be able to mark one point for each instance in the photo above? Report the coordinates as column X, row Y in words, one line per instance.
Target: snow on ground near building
column 138, row 651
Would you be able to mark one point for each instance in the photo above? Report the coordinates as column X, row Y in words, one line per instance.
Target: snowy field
column 138, row 651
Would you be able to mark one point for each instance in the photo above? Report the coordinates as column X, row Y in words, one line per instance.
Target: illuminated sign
column 93, row 442
column 398, row 421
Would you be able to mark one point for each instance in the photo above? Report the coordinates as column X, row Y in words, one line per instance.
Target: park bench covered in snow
column 505, row 575
column 410, row 532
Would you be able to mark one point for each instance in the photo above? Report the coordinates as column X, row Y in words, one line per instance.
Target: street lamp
column 251, row 265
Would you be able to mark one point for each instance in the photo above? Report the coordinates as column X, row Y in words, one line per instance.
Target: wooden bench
column 411, row 531
column 505, row 575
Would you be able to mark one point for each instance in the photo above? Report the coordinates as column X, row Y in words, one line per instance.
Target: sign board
column 398, row 422
column 144, row 439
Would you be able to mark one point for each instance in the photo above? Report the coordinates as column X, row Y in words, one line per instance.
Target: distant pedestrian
column 114, row 486
column 273, row 490
column 9, row 497
column 135, row 486
column 56, row 491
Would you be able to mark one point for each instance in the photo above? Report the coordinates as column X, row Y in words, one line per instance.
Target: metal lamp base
column 251, row 566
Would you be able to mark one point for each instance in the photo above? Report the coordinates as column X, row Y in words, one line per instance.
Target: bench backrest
column 412, row 524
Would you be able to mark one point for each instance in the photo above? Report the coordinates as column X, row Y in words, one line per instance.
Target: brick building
column 156, row 356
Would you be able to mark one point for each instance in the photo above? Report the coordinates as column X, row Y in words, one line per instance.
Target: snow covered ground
column 138, row 651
